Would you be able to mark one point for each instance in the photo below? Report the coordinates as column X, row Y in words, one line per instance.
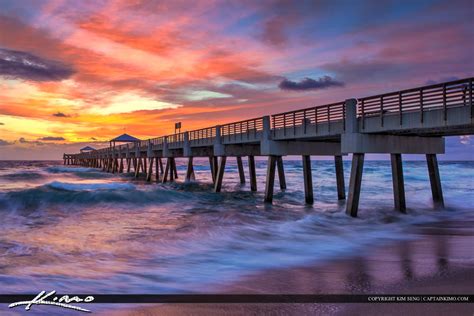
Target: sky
column 82, row 72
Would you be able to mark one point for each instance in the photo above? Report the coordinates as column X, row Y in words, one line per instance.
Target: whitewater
column 75, row 229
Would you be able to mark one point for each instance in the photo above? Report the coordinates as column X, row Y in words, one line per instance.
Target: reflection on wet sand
column 433, row 264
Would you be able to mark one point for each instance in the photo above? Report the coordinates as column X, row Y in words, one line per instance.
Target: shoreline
column 440, row 261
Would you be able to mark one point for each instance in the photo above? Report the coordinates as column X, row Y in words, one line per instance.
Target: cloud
column 5, row 143
column 274, row 31
column 310, row 84
column 23, row 140
column 2, row 123
column 21, row 65
column 60, row 114
column 93, row 138
column 443, row 79
column 51, row 138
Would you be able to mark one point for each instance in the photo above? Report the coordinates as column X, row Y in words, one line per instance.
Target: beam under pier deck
column 435, row 180
column 398, row 182
column 308, row 179
column 355, row 184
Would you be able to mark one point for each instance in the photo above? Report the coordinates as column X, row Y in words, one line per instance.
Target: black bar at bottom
column 251, row 298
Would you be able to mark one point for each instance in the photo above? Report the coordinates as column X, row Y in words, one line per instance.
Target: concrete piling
column 167, row 171
column 341, row 190
column 220, row 174
column 355, row 182
column 190, row 170
column 270, row 181
column 281, row 173
column 398, row 182
column 240, row 167
column 308, row 180
column 435, row 180
column 252, row 174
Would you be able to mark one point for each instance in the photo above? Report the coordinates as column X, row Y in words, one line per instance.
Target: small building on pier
column 124, row 138
column 87, row 149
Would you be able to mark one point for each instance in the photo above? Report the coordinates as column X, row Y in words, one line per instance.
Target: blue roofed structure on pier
column 124, row 138
column 87, row 149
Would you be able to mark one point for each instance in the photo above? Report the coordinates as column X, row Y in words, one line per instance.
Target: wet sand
column 439, row 261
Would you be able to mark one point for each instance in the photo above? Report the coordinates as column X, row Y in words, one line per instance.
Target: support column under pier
column 161, row 165
column 270, row 179
column 167, row 171
column 435, row 180
column 220, row 174
column 175, row 170
column 355, row 184
column 150, row 170
column 281, row 173
column 121, row 166
column 157, row 169
column 240, row 166
column 252, row 174
column 341, row 190
column 398, row 182
column 190, row 170
column 211, row 166
column 171, row 169
column 139, row 166
column 308, row 180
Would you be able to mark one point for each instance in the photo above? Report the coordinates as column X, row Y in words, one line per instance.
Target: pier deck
column 412, row 121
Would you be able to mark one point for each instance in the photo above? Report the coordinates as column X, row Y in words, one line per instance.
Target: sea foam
column 90, row 186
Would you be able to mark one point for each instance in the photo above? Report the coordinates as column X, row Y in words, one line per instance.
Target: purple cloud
column 22, row 65
column 51, row 138
column 60, row 114
column 310, row 84
column 5, row 143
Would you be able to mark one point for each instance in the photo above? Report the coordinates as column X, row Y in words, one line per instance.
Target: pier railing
column 242, row 131
column 157, row 142
column 329, row 119
column 202, row 137
column 308, row 120
column 438, row 96
column 175, row 140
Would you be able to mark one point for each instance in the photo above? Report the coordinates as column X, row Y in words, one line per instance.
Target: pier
column 412, row 121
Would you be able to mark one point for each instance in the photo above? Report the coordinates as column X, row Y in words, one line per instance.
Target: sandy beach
column 439, row 262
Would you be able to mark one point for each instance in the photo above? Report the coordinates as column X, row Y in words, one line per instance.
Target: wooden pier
column 412, row 121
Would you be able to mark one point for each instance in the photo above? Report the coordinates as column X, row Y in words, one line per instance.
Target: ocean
column 81, row 230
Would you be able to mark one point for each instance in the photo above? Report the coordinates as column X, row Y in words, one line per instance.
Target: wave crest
column 66, row 186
